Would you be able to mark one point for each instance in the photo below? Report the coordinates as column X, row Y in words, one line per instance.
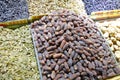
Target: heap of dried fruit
column 101, row 5
column 111, row 31
column 70, row 47
column 37, row 7
column 13, row 9
column 17, row 59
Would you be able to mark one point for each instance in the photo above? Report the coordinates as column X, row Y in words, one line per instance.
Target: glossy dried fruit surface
column 75, row 49
column 17, row 59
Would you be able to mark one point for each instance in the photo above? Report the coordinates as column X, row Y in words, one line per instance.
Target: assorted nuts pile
column 111, row 31
column 70, row 47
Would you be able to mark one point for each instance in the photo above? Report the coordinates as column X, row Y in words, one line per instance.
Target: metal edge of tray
column 36, row 53
column 101, row 21
column 112, row 54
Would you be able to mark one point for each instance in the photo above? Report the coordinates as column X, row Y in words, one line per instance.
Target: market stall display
column 13, row 10
column 17, row 59
column 66, row 61
column 111, row 31
column 100, row 5
column 37, row 7
column 70, row 47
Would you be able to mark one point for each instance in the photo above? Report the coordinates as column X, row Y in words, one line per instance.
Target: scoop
column 18, row 23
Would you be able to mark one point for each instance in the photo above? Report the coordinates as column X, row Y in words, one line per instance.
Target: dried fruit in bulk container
column 111, row 31
column 70, row 46
column 46, row 6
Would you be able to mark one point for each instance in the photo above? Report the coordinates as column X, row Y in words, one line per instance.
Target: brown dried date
column 91, row 65
column 57, row 76
column 44, row 78
column 61, row 61
column 51, row 48
column 53, row 74
column 75, row 75
column 62, row 44
column 59, row 40
column 58, row 55
column 66, row 66
column 65, row 46
column 47, row 68
column 57, row 67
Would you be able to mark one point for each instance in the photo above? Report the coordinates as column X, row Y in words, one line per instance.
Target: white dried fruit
column 106, row 34
column 117, row 53
column 118, row 43
column 115, row 47
column 33, row 64
column 112, row 48
column 113, row 29
column 104, row 29
column 117, row 36
column 110, row 42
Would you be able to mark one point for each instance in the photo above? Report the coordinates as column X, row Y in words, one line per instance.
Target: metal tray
column 113, row 55
column 36, row 54
column 39, row 65
column 108, row 20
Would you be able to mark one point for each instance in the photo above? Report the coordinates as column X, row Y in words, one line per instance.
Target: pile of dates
column 70, row 47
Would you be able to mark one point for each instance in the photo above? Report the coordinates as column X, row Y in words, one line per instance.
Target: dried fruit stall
column 67, row 46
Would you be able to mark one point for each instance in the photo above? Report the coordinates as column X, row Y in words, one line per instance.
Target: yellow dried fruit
column 17, row 59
